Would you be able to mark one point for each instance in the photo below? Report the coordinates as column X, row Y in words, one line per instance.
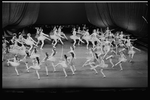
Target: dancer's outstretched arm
column 136, row 48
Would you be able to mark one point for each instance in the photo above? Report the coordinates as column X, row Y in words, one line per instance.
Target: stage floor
column 134, row 74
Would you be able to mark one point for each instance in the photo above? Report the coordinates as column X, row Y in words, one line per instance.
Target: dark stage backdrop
column 18, row 15
column 62, row 13
column 131, row 17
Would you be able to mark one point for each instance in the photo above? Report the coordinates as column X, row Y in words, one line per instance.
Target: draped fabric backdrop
column 18, row 15
column 131, row 17
column 128, row 16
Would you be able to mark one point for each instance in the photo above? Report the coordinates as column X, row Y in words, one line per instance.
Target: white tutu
column 131, row 52
column 51, row 59
column 63, row 63
column 122, row 59
column 103, row 65
column 36, row 66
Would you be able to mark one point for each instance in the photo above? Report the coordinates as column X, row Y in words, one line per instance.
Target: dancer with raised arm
column 13, row 38
column 87, row 38
column 25, row 59
column 62, row 33
column 42, row 37
column 99, row 62
column 89, row 59
column 64, row 64
column 15, row 63
column 74, row 37
column 36, row 65
column 29, row 41
column 129, row 42
column 44, row 60
column 34, row 53
column 72, row 51
column 131, row 52
column 122, row 58
column 50, row 58
column 92, row 62
column 56, row 37
column 71, row 60
column 94, row 38
column 110, row 59
column 4, row 48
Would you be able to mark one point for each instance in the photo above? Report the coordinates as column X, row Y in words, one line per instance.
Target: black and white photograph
column 54, row 45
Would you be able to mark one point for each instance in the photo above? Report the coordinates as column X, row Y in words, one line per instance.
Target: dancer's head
column 96, row 55
column 27, row 53
column 72, row 54
column 28, row 34
column 128, row 37
column 97, row 29
column 54, row 28
column 94, row 30
column 121, row 32
column 14, row 34
column 74, row 29
column 16, row 57
column 38, row 60
column 35, row 50
column 107, row 28
column 65, row 57
column 3, row 37
column 19, row 33
column 46, row 54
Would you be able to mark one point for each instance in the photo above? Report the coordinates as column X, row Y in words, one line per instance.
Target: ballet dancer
column 61, row 34
column 15, row 63
column 129, row 42
column 34, row 53
column 25, row 60
column 50, row 58
column 4, row 44
column 36, row 65
column 87, row 38
column 13, row 39
column 42, row 37
column 92, row 62
column 89, row 59
column 29, row 41
column 64, row 64
column 94, row 38
column 99, row 62
column 110, row 60
column 74, row 37
column 72, row 51
column 71, row 61
column 44, row 60
column 122, row 59
column 55, row 37
column 131, row 52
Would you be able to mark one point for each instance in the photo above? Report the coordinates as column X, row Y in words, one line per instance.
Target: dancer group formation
column 105, row 46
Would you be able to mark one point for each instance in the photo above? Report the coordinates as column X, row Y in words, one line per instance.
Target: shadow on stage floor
column 134, row 75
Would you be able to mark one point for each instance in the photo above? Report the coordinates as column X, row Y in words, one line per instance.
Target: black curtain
column 132, row 17
column 18, row 15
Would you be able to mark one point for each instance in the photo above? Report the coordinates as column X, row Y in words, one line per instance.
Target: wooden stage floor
column 134, row 74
